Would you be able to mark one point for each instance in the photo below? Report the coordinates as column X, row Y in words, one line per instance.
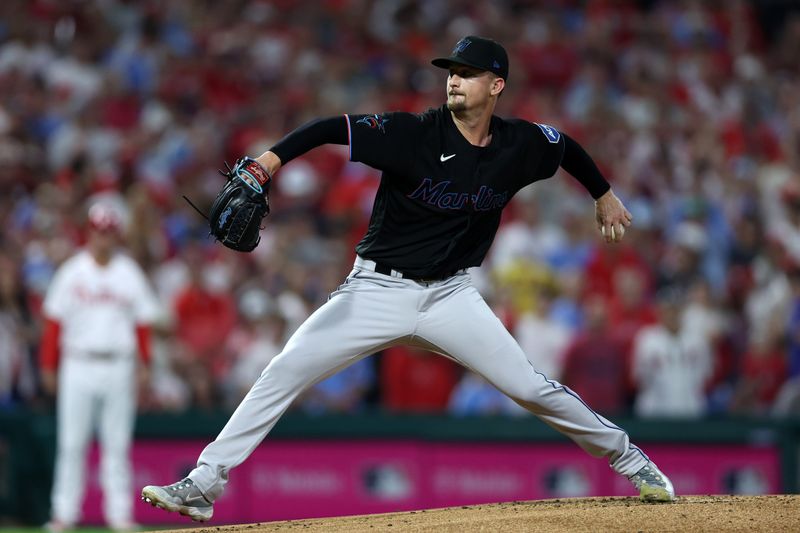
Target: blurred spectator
column 573, row 253
column 702, row 314
column 701, row 231
column 605, row 261
column 786, row 226
column 170, row 392
column 769, row 294
column 17, row 377
column 520, row 283
column 671, row 365
column 705, row 316
column 748, row 240
column 526, row 238
column 255, row 340
column 793, row 325
column 205, row 314
column 416, row 380
column 681, row 264
column 343, row 392
column 565, row 309
column 630, row 307
column 762, row 374
column 787, row 402
column 543, row 339
column 474, row 396
column 596, row 363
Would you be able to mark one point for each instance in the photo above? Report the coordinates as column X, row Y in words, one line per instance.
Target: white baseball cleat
column 652, row 484
column 182, row 497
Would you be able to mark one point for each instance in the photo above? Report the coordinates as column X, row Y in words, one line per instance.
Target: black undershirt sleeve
column 332, row 130
column 578, row 163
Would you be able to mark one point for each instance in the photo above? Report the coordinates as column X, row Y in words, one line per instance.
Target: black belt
column 386, row 270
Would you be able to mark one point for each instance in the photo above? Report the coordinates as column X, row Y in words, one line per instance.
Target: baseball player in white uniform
column 447, row 175
column 97, row 312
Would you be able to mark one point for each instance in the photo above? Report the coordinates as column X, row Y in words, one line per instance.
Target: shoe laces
column 180, row 485
column 649, row 476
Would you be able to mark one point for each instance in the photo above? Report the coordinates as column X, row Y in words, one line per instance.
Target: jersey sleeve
column 56, row 301
column 385, row 141
column 146, row 307
column 548, row 147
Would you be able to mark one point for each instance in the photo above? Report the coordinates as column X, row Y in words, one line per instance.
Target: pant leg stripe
column 572, row 393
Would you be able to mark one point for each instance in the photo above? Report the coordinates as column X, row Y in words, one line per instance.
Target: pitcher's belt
column 386, row 270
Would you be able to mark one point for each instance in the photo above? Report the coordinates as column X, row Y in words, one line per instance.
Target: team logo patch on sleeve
column 552, row 134
column 375, row 122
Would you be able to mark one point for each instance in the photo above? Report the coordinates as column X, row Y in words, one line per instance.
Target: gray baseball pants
column 372, row 311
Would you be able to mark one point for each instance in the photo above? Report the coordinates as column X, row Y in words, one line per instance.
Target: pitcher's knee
column 535, row 393
column 522, row 394
column 531, row 402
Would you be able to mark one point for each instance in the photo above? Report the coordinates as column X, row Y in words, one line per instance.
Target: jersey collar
column 461, row 141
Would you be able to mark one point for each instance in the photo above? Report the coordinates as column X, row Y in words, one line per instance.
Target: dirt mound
column 688, row 513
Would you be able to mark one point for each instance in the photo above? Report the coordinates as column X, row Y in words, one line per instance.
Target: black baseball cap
column 477, row 52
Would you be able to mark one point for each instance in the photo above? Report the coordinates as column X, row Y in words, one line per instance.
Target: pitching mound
column 689, row 513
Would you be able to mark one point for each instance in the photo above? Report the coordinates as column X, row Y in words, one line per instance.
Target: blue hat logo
column 461, row 46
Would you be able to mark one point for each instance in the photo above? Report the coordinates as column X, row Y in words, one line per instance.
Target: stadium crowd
column 690, row 108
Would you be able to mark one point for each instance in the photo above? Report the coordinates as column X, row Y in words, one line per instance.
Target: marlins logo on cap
column 477, row 52
column 461, row 45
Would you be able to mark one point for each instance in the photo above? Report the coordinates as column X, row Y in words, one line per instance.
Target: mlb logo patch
column 552, row 134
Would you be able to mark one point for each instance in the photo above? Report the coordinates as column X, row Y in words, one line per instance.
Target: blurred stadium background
column 691, row 108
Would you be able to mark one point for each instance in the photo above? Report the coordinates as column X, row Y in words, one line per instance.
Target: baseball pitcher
column 447, row 175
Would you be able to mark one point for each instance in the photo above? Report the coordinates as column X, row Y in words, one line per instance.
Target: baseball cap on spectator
column 477, row 52
column 103, row 217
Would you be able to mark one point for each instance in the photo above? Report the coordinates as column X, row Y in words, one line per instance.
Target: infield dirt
column 778, row 513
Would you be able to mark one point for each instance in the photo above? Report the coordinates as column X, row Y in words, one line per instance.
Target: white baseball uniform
column 98, row 308
column 671, row 371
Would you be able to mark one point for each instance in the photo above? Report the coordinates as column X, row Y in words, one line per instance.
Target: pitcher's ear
column 498, row 85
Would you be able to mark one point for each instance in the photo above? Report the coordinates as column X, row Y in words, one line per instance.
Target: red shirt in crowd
column 596, row 367
column 416, row 380
column 204, row 321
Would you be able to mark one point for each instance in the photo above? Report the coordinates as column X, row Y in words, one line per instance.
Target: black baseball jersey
column 440, row 198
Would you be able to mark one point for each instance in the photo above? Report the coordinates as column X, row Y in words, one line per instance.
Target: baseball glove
column 241, row 205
